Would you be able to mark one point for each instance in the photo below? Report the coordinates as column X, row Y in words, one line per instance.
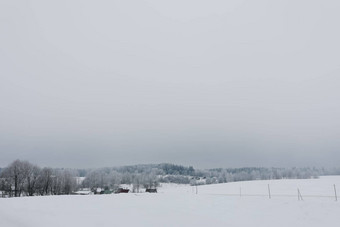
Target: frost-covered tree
column 32, row 174
column 114, row 179
column 15, row 177
column 45, row 181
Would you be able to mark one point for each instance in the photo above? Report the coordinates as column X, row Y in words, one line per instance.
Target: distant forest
column 22, row 178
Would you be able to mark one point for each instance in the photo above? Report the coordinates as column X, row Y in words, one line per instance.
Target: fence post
column 336, row 197
column 269, row 192
column 299, row 195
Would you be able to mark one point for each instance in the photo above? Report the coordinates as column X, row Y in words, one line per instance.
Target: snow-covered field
column 178, row 205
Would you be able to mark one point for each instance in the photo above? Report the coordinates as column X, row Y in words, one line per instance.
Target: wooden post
column 336, row 197
column 269, row 192
column 299, row 195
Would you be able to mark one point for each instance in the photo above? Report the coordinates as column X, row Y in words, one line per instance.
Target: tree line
column 111, row 179
column 21, row 178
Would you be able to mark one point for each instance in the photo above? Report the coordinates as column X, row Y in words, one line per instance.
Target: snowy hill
column 231, row 204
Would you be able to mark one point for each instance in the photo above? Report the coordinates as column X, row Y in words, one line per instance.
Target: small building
column 151, row 190
column 122, row 190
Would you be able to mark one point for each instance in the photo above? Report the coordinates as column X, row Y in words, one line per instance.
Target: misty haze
column 98, row 97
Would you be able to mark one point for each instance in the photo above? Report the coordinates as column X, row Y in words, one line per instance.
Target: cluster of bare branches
column 111, row 179
column 21, row 178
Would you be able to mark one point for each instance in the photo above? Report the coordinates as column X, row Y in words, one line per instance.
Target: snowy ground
column 177, row 205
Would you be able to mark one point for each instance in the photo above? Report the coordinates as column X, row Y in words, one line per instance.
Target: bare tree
column 31, row 173
column 15, row 173
column 114, row 180
column 45, row 181
column 69, row 182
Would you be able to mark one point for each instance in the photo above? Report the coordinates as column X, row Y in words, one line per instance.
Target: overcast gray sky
column 206, row 83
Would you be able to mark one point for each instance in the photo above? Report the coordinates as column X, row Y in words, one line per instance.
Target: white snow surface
column 179, row 205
